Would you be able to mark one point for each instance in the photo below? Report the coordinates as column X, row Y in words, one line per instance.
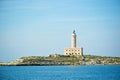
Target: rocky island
column 56, row 59
column 72, row 56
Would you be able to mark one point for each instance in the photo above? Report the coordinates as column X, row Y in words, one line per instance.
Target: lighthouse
column 73, row 39
column 73, row 50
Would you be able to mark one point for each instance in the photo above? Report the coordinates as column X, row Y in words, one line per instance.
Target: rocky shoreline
column 62, row 60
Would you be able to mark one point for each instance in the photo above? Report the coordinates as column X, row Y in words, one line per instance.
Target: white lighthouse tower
column 74, row 39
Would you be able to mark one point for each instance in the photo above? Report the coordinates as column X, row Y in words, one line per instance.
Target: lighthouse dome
column 74, row 33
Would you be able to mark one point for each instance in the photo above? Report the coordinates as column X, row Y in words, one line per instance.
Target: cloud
column 33, row 5
column 79, row 19
column 27, row 7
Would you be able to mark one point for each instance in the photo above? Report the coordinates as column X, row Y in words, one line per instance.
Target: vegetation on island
column 56, row 59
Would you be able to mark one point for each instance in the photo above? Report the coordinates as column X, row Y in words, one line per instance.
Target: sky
column 43, row 27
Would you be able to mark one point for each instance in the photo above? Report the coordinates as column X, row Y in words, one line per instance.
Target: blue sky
column 43, row 27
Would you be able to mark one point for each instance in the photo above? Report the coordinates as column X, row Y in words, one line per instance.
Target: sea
column 93, row 72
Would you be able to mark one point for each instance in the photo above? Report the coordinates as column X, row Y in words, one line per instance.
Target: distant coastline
column 63, row 60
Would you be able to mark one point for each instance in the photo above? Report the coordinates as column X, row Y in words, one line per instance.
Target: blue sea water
column 101, row 72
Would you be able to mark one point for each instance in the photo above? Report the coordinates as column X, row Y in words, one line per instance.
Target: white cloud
column 79, row 19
